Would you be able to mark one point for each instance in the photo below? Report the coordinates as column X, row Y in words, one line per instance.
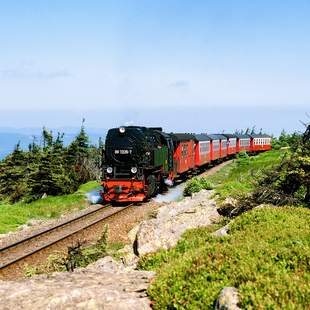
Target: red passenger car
column 184, row 152
column 223, row 144
column 231, row 144
column 215, row 147
column 260, row 142
column 243, row 143
column 202, row 150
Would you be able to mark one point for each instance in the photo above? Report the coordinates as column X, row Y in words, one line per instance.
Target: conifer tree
column 12, row 172
column 51, row 168
column 47, row 138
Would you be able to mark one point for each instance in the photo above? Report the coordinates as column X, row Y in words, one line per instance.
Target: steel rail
column 21, row 241
column 62, row 237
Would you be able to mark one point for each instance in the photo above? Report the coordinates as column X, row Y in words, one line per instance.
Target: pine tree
column 12, row 175
column 47, row 138
column 50, row 169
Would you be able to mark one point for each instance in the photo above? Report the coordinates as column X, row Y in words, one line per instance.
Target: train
column 142, row 161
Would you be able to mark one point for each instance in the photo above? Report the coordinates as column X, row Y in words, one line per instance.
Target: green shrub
column 196, row 184
column 243, row 158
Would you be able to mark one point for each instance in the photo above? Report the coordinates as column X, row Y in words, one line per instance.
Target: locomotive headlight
column 122, row 129
column 134, row 170
column 109, row 170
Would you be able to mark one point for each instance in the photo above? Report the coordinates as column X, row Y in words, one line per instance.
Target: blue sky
column 119, row 61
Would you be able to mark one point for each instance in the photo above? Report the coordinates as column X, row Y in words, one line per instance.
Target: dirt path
column 216, row 168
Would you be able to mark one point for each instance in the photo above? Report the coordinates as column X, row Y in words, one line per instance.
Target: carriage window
column 204, row 147
column 232, row 142
column 216, row 145
column 184, row 150
column 244, row 142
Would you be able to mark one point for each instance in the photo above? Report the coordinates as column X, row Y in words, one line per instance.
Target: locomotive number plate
column 122, row 152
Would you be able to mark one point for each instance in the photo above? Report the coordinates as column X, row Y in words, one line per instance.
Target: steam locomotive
column 141, row 161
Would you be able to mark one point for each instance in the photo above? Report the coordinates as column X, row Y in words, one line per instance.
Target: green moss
column 273, row 273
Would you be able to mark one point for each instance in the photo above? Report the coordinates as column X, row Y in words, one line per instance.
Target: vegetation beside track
column 238, row 178
column 14, row 215
column 77, row 256
column 273, row 273
column 196, row 184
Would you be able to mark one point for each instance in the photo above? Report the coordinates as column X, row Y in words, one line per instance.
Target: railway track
column 19, row 251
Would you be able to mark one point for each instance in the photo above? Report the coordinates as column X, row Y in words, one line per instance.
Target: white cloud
column 28, row 70
column 180, row 84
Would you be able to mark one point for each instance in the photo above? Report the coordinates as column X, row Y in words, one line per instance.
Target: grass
column 238, row 178
column 87, row 187
column 14, row 215
column 273, row 273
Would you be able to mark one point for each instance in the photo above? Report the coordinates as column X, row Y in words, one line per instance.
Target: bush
column 195, row 185
column 273, row 273
column 243, row 158
column 289, row 183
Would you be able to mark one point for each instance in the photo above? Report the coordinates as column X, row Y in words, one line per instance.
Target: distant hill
column 9, row 137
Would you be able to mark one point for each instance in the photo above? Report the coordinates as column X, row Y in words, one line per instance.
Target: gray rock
column 128, row 257
column 23, row 227
column 228, row 206
column 222, row 232
column 173, row 220
column 107, row 264
column 264, row 205
column 103, row 285
column 34, row 222
column 133, row 233
column 228, row 299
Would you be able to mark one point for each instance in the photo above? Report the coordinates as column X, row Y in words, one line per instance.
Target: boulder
column 228, row 299
column 172, row 220
column 228, row 206
column 222, row 232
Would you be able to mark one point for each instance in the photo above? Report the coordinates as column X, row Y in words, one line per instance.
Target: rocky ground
column 109, row 284
column 103, row 285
